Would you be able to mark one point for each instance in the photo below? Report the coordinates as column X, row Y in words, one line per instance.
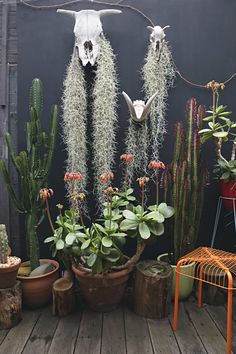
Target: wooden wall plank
column 3, row 69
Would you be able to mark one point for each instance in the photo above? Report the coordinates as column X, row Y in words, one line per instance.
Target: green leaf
column 144, row 230
column 128, row 225
column 225, row 175
column 155, row 215
column 220, row 134
column 207, row 119
column 100, row 228
column 107, row 242
column 211, row 125
column 165, row 210
column 60, row 244
column 111, row 225
column 91, row 259
column 85, row 244
column 233, row 125
column 70, row 238
column 129, row 215
column 139, row 209
column 129, row 191
column 204, row 131
column 119, row 234
column 69, row 226
column 114, row 256
column 156, row 229
column 49, row 239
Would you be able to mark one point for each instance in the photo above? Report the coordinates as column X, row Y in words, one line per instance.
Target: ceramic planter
column 228, row 190
column 37, row 290
column 8, row 274
column 102, row 292
column 185, row 283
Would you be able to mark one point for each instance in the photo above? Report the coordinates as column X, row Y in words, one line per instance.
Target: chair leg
column 176, row 303
column 200, row 287
column 229, row 313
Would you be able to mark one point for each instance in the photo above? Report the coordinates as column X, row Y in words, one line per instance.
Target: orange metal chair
column 213, row 267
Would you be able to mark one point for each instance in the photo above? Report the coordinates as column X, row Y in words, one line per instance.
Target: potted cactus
column 184, row 182
column 33, row 166
column 9, row 265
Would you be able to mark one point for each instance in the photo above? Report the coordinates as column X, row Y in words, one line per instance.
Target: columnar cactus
column 32, row 166
column 3, row 244
column 184, row 182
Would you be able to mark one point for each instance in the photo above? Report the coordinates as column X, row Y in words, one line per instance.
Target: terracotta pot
column 102, row 292
column 37, row 290
column 185, row 282
column 8, row 275
column 228, row 190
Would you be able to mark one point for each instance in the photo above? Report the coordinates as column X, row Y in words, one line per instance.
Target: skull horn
column 67, row 12
column 150, row 28
column 167, row 26
column 108, row 12
column 148, row 105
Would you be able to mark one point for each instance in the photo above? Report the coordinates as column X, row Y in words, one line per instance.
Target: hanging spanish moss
column 74, row 120
column 137, row 144
column 158, row 75
column 104, row 115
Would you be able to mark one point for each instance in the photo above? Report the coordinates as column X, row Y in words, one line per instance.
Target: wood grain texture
column 113, row 333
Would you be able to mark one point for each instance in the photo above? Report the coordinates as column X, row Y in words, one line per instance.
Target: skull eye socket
column 88, row 46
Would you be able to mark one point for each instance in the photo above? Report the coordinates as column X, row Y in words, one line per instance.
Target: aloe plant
column 184, row 182
column 33, row 166
column 3, row 244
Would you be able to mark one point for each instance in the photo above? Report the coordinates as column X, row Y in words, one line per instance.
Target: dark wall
column 203, row 46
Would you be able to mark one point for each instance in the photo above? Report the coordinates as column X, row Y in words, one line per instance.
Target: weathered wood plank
column 3, row 68
column 17, row 337
column 89, row 338
column 3, row 334
column 210, row 336
column 43, row 332
column 219, row 315
column 137, row 334
column 113, row 333
column 234, row 308
column 162, row 337
column 186, row 335
column 68, row 327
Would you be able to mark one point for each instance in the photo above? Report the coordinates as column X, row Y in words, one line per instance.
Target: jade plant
column 184, row 181
column 221, row 129
column 33, row 167
column 99, row 248
column 3, row 244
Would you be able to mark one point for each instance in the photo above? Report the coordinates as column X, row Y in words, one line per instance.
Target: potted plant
column 97, row 254
column 184, row 182
column 9, row 265
column 220, row 128
column 33, row 166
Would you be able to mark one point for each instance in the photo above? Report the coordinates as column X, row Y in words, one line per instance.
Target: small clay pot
column 8, row 275
column 228, row 190
column 102, row 292
column 37, row 290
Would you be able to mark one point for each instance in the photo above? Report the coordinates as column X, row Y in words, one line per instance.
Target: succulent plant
column 184, row 182
column 33, row 166
column 3, row 244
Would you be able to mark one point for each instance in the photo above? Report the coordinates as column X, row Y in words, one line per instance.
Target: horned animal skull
column 88, row 28
column 157, row 36
column 139, row 110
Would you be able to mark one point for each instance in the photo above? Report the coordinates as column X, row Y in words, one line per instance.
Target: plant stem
column 157, row 188
column 133, row 260
column 142, row 196
column 49, row 216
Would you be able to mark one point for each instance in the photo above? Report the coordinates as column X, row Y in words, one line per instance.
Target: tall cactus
column 184, row 183
column 33, row 166
column 3, row 244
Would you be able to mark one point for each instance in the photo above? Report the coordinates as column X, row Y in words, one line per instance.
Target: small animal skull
column 139, row 110
column 157, row 36
column 88, row 28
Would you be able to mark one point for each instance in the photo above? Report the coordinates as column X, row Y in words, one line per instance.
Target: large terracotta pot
column 185, row 282
column 102, row 292
column 228, row 190
column 8, row 274
column 37, row 290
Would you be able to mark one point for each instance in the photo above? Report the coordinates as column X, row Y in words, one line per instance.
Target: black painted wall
column 204, row 48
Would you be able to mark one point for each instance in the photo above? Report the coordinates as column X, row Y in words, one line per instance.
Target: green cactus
column 3, row 244
column 33, row 166
column 184, row 183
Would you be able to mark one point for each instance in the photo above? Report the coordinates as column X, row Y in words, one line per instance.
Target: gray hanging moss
column 104, row 108
column 158, row 75
column 74, row 120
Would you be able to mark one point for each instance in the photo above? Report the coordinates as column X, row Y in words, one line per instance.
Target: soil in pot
column 8, row 272
column 185, row 282
column 228, row 190
column 37, row 290
column 102, row 292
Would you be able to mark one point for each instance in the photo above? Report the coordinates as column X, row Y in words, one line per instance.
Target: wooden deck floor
column 200, row 331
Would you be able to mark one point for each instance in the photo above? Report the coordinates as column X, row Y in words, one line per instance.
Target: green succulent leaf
column 70, row 238
column 91, row 259
column 107, row 242
column 129, row 215
column 156, row 215
column 220, row 134
column 49, row 239
column 144, row 230
column 165, row 210
column 128, row 225
column 85, row 244
column 60, row 245
column 156, row 229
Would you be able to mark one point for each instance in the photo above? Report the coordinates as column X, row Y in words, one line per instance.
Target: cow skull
column 157, row 36
column 139, row 110
column 88, row 28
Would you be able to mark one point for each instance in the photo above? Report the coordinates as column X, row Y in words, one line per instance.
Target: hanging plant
column 74, row 120
column 104, row 115
column 158, row 75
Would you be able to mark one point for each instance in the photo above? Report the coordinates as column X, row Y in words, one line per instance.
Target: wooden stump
column 63, row 296
column 152, row 289
column 10, row 306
